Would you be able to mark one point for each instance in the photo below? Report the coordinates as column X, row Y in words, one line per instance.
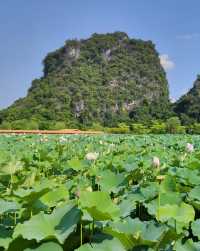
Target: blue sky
column 29, row 29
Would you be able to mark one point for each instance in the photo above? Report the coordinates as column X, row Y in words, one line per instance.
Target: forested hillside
column 188, row 106
column 106, row 79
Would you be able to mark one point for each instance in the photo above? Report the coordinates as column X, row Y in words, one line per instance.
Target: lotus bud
column 189, row 148
column 77, row 193
column 116, row 200
column 89, row 189
column 160, row 177
column 98, row 178
column 156, row 162
column 92, row 156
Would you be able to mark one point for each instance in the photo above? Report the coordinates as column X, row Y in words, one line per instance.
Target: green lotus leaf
column 168, row 184
column 193, row 164
column 165, row 198
column 183, row 213
column 196, row 228
column 194, row 194
column 30, row 196
column 127, row 240
column 149, row 192
column 21, row 244
column 49, row 246
column 5, row 237
column 194, row 178
column 127, row 231
column 126, row 207
column 153, row 232
column 132, row 232
column 129, row 226
column 8, row 206
column 137, row 196
column 110, row 181
column 51, row 198
column 188, row 176
column 99, row 205
column 76, row 164
column 107, row 245
column 11, row 168
column 57, row 225
column 187, row 246
column 39, row 189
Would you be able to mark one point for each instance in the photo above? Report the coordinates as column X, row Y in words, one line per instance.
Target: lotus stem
column 81, row 233
column 93, row 227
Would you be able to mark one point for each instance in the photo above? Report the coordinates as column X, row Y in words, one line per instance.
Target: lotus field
column 101, row 193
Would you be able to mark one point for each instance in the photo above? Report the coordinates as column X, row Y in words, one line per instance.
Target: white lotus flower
column 112, row 145
column 156, row 162
column 62, row 139
column 92, row 156
column 44, row 139
column 189, row 148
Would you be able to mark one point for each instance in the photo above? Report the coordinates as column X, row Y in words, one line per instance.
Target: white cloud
column 166, row 62
column 172, row 99
column 189, row 36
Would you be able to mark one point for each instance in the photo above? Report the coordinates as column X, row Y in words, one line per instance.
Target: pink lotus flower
column 189, row 148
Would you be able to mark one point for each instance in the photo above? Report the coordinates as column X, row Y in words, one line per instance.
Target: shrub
column 116, row 130
column 194, row 129
column 121, row 129
column 158, row 127
column 139, row 129
column 97, row 127
column 124, row 127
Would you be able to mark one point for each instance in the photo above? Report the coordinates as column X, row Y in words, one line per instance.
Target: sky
column 29, row 29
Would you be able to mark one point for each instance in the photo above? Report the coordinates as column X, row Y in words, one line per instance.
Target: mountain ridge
column 106, row 79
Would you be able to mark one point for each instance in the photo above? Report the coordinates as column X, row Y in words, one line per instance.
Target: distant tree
column 5, row 125
column 173, row 125
column 186, row 120
column 45, row 124
column 97, row 127
column 24, row 124
column 19, row 124
column 32, row 125
column 58, row 125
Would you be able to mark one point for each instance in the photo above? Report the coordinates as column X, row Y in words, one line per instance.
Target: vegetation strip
column 67, row 131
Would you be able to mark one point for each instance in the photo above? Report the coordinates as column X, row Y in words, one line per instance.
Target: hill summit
column 106, row 79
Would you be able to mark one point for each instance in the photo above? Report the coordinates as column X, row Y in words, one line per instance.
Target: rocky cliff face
column 188, row 106
column 108, row 78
